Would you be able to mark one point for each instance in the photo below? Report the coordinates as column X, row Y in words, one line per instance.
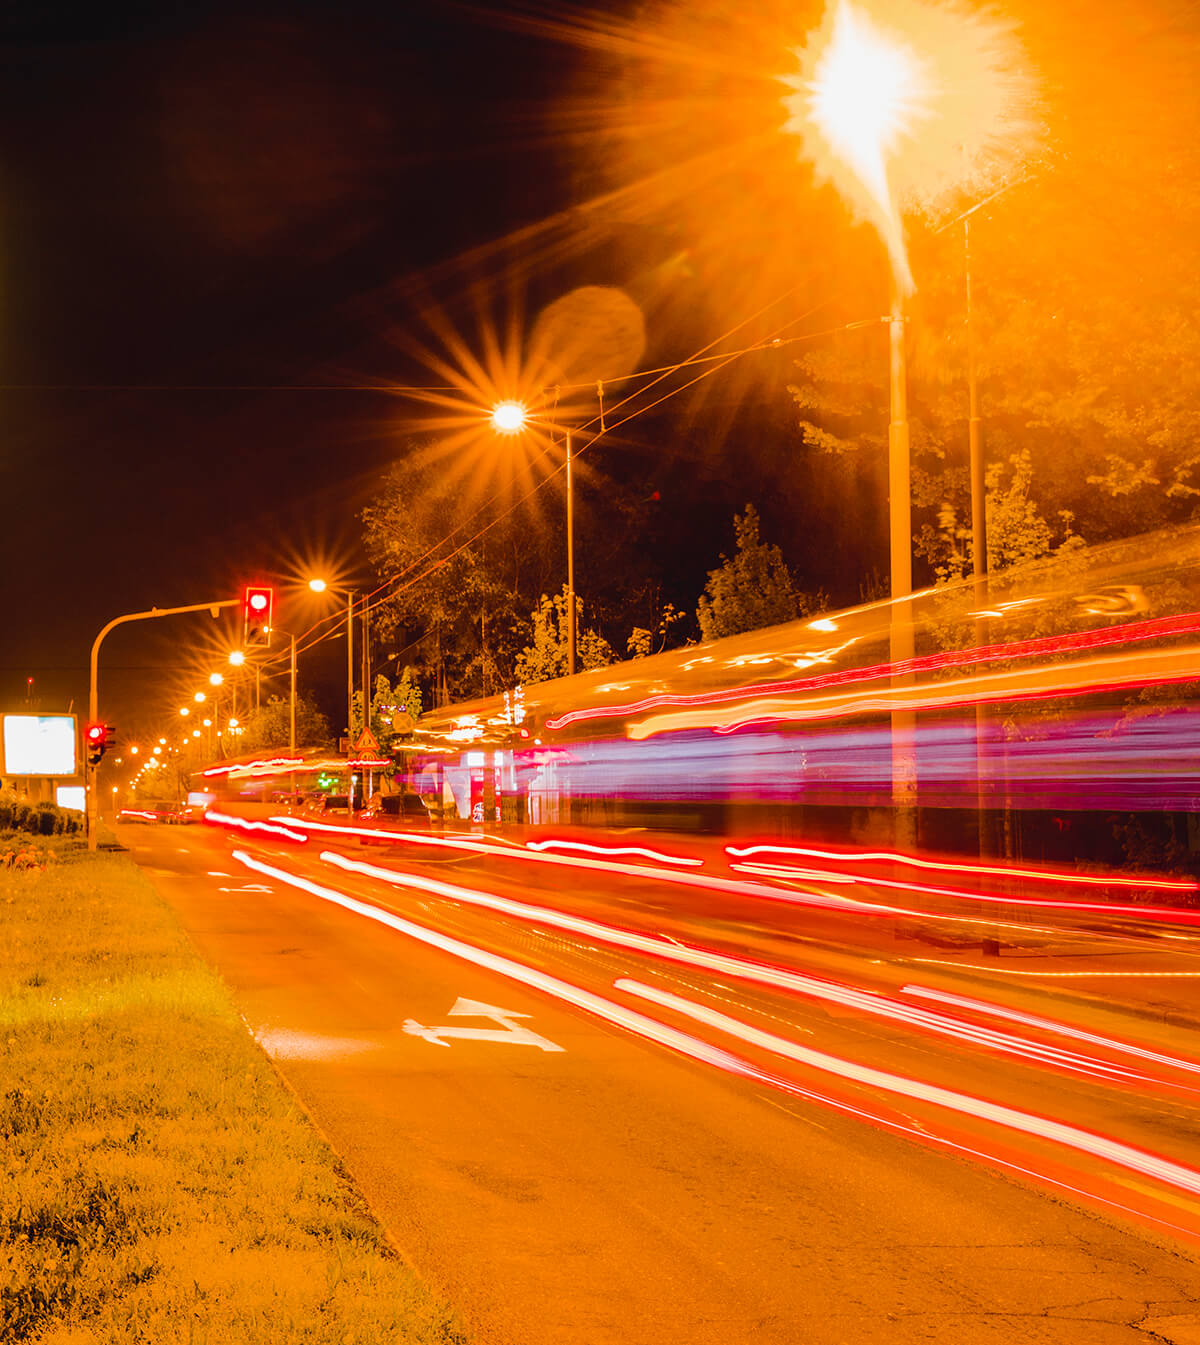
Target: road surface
column 577, row 1140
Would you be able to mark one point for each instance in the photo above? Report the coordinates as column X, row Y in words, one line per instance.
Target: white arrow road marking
column 248, row 887
column 509, row 1031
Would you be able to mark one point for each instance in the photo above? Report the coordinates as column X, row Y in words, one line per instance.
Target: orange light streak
column 614, row 850
column 1165, row 914
column 1110, row 1150
column 1104, row 1147
column 1161, row 667
column 1050, row 1025
column 780, row 978
column 250, row 825
column 950, row 866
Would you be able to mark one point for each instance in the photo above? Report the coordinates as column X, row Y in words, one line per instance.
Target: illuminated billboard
column 38, row 745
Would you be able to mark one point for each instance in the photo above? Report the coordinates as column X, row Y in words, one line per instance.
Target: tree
column 751, row 589
column 269, row 726
column 389, row 703
column 545, row 656
column 457, row 600
column 642, row 642
column 1017, row 531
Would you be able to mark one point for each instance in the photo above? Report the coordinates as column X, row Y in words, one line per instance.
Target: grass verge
column 159, row 1182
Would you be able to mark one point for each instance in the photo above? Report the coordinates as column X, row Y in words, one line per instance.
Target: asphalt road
column 570, row 1174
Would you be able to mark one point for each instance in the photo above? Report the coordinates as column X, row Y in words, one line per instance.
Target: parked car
column 328, row 805
column 402, row 811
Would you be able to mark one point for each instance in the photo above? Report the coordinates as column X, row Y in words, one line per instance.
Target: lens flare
column 910, row 107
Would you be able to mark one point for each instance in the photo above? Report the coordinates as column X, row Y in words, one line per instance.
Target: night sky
column 209, row 214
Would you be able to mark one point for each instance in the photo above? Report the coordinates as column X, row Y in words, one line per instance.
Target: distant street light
column 511, row 417
column 318, row 585
column 184, row 711
column 216, row 679
column 199, row 698
column 237, row 657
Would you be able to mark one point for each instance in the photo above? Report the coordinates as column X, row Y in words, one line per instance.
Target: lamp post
column 319, row 585
column 860, row 100
column 511, row 417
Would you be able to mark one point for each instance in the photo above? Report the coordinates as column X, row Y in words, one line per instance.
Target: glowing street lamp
column 199, row 698
column 184, row 711
column 510, row 417
column 216, row 679
column 237, row 657
column 319, row 585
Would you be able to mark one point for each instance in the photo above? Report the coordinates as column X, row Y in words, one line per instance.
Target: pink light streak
column 1133, row 632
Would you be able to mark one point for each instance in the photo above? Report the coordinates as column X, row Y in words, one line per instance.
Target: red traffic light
column 96, row 736
column 257, row 612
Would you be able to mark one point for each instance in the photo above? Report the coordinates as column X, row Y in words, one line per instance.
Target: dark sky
column 199, row 202
column 209, row 212
column 218, row 196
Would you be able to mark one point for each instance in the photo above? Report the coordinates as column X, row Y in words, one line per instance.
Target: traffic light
column 98, row 738
column 257, row 611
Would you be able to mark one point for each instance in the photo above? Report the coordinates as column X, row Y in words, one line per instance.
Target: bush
column 42, row 819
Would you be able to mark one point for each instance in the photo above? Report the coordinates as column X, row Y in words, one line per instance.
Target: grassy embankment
column 158, row 1183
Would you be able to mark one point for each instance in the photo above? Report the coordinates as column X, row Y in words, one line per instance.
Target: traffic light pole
column 93, row 803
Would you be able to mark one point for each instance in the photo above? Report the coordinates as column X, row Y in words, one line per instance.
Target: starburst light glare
column 216, row 679
column 318, row 585
column 866, row 91
column 236, row 658
column 909, row 110
column 508, row 417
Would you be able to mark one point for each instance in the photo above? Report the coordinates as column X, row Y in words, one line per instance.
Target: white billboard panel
column 71, row 796
column 39, row 745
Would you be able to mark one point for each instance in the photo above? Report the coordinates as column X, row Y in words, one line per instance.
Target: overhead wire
column 372, row 600
column 375, row 598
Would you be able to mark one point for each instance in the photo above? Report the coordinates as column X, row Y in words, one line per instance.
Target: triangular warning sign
column 366, row 744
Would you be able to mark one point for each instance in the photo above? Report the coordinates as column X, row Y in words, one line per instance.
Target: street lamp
column 237, row 657
column 319, row 585
column 511, row 417
column 216, row 679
